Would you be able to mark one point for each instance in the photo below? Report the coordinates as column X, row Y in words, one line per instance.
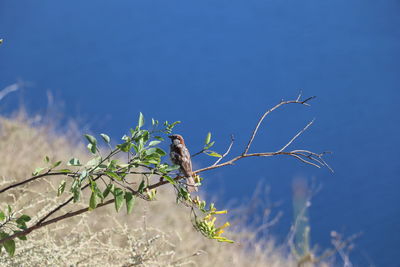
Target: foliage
column 113, row 178
column 9, row 223
column 158, row 233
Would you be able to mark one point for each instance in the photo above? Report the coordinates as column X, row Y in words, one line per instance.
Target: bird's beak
column 170, row 136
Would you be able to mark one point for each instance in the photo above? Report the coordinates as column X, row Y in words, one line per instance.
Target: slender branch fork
column 305, row 156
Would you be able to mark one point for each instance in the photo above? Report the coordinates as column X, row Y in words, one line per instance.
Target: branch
column 31, row 180
column 49, row 173
column 198, row 153
column 305, row 156
column 63, row 204
column 308, row 157
column 297, row 101
column 54, row 220
column 67, row 215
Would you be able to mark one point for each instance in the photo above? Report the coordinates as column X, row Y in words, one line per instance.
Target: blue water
column 217, row 66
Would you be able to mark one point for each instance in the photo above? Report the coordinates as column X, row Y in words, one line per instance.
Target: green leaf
column 125, row 147
column 159, row 138
column 124, row 166
column 112, row 165
column 213, row 154
column 92, row 140
column 65, row 171
column 93, row 201
column 61, row 188
column 75, row 184
column 37, row 171
column 94, row 161
column 83, row 175
column 109, row 188
column 56, row 164
column 184, row 194
column 126, row 138
column 141, row 120
column 169, row 179
column 173, row 124
column 145, row 136
column 114, row 175
column 22, row 237
column 141, row 187
column 21, row 225
column 97, row 191
column 150, row 161
column 160, row 151
column 2, row 216
column 74, row 162
column 208, row 138
column 92, row 148
column 172, row 168
column 24, row 218
column 77, row 195
column 46, row 159
column 154, row 143
column 151, row 151
column 9, row 245
column 106, row 138
column 119, row 197
column 21, row 221
column 130, row 201
column 209, row 145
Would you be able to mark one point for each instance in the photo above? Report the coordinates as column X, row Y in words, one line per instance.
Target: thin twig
column 198, row 153
column 49, row 173
column 31, row 180
column 227, row 151
column 297, row 135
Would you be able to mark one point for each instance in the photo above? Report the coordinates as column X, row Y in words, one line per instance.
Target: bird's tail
column 191, row 185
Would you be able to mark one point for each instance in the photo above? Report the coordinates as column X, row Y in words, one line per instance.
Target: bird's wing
column 175, row 155
column 186, row 162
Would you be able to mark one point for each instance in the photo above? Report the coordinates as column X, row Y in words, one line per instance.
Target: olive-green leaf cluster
column 11, row 224
column 140, row 146
column 207, row 145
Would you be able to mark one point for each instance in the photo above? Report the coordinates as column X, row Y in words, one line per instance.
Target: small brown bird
column 180, row 156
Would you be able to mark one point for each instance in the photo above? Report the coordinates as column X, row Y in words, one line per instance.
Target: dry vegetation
column 157, row 233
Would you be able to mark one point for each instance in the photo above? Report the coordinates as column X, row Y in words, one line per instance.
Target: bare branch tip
column 304, row 102
column 299, row 96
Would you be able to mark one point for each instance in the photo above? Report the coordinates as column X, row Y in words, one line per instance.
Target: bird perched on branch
column 180, row 156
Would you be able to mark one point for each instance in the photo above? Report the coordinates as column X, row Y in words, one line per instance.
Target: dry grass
column 157, row 233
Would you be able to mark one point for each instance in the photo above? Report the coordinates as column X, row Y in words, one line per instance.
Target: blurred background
column 217, row 66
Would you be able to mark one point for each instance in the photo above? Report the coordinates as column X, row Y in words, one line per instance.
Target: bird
column 180, row 156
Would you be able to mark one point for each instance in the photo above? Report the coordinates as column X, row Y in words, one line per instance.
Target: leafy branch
column 111, row 180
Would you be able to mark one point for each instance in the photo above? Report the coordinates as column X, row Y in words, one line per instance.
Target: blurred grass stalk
column 301, row 203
